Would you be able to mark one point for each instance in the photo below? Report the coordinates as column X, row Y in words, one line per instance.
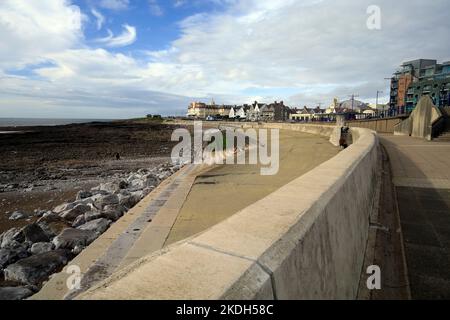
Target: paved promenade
column 421, row 177
column 226, row 189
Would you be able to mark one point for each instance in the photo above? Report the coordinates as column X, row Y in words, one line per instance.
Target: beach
column 44, row 166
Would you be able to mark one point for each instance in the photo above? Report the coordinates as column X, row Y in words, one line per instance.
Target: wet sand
column 226, row 189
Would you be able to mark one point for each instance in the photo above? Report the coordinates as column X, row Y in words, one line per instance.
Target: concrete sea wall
column 420, row 122
column 383, row 125
column 304, row 241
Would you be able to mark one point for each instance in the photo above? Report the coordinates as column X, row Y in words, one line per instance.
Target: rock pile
column 28, row 256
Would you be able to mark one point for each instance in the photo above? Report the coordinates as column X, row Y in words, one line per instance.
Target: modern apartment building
column 417, row 78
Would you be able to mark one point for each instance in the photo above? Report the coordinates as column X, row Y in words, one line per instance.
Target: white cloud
column 127, row 37
column 31, row 29
column 100, row 18
column 322, row 46
column 90, row 79
column 114, row 4
column 66, row 78
column 155, row 8
column 179, row 3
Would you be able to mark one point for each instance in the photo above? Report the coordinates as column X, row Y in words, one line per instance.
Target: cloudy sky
column 126, row 58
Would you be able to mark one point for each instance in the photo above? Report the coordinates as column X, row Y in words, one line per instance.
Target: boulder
column 133, row 176
column 163, row 175
column 147, row 190
column 113, row 212
column 39, row 213
column 6, row 257
column 96, row 191
column 97, row 199
column 32, row 233
column 77, row 250
column 87, row 201
column 110, row 187
column 7, row 237
column 41, row 247
column 83, row 195
column 176, row 167
column 139, row 195
column 37, row 268
column 53, row 224
column 14, row 293
column 98, row 226
column 63, row 207
column 79, row 221
column 20, row 248
column 91, row 215
column 105, row 200
column 17, row 215
column 48, row 213
column 123, row 184
column 128, row 201
column 12, row 254
column 70, row 238
column 151, row 180
column 124, row 192
column 136, row 185
column 71, row 214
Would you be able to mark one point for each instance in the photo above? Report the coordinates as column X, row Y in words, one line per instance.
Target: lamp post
column 376, row 103
column 390, row 86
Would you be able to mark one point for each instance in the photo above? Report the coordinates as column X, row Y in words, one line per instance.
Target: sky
column 129, row 58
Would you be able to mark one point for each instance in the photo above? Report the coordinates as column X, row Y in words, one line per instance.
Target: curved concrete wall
column 381, row 125
column 304, row 241
column 420, row 122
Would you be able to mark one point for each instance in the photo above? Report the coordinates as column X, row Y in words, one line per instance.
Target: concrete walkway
column 226, row 189
column 421, row 177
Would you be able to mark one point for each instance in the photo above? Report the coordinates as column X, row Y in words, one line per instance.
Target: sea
column 25, row 122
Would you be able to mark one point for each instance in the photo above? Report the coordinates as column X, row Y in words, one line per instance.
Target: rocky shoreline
column 61, row 187
column 31, row 254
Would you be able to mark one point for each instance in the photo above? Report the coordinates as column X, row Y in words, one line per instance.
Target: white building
column 232, row 114
column 241, row 113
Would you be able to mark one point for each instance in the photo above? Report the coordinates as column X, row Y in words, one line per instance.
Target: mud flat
column 42, row 167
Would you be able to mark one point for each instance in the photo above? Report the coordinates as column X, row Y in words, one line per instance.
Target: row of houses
column 275, row 111
column 278, row 111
